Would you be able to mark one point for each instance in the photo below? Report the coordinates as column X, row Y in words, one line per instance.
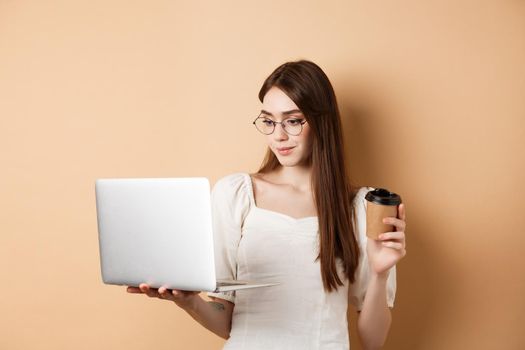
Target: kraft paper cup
column 381, row 203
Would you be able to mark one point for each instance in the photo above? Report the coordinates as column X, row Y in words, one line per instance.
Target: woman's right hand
column 184, row 299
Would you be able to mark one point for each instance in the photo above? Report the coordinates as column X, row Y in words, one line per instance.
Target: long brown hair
column 309, row 88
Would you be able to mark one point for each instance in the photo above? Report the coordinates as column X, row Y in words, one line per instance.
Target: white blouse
column 253, row 243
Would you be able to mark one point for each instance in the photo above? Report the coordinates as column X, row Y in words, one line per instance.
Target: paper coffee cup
column 381, row 203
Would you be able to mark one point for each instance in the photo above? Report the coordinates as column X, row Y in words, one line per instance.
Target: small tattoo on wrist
column 216, row 305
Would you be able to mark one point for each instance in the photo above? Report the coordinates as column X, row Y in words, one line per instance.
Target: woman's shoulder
column 232, row 186
column 359, row 213
column 231, row 193
column 360, row 193
column 231, row 181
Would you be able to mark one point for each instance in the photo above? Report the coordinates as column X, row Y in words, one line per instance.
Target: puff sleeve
column 357, row 290
column 230, row 204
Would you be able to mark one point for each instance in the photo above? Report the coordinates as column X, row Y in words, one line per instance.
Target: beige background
column 432, row 100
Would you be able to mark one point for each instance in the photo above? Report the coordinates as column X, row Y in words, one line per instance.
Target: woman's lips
column 285, row 150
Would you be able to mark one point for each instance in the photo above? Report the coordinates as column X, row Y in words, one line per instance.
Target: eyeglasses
column 292, row 126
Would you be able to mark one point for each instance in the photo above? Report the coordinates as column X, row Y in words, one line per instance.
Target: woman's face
column 277, row 106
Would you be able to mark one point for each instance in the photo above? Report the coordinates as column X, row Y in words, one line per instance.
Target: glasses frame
column 282, row 125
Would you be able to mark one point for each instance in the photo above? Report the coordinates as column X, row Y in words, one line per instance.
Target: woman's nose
column 279, row 133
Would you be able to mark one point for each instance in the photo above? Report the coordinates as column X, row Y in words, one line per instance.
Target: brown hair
column 309, row 88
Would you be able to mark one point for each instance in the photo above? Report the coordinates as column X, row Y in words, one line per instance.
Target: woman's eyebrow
column 292, row 111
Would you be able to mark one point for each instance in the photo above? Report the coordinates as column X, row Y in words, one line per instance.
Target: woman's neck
column 296, row 176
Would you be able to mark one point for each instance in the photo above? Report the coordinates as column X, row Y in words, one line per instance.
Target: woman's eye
column 293, row 121
column 267, row 122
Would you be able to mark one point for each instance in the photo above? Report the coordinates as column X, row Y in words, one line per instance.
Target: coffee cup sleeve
column 357, row 290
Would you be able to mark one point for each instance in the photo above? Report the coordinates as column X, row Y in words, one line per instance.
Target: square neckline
column 252, row 198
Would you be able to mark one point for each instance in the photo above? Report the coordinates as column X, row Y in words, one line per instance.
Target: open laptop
column 159, row 231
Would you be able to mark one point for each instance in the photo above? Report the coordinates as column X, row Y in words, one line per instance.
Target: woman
column 299, row 222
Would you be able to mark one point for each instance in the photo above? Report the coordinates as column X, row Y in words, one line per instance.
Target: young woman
column 297, row 221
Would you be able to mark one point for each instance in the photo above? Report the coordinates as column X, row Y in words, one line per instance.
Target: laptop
column 159, row 231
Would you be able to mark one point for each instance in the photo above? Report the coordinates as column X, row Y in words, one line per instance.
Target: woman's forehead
column 276, row 102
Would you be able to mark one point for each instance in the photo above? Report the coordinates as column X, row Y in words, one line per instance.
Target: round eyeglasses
column 292, row 126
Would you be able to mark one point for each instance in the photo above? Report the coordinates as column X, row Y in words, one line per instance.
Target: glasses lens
column 264, row 125
column 293, row 126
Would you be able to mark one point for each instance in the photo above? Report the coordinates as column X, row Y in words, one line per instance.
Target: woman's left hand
column 390, row 247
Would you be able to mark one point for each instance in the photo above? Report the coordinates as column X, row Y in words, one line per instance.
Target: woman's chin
column 285, row 161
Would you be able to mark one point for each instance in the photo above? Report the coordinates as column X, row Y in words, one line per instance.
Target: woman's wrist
column 192, row 304
column 380, row 276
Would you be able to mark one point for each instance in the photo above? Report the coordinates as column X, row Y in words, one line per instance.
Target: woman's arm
column 215, row 315
column 375, row 318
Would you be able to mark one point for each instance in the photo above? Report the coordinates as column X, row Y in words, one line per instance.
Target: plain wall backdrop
column 432, row 101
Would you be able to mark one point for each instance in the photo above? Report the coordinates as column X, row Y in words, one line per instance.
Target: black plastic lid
column 383, row 197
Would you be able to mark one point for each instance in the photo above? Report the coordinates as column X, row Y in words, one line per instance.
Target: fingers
column 392, row 244
column 162, row 292
column 398, row 223
column 165, row 293
column 143, row 288
column 402, row 212
column 392, row 235
column 150, row 292
column 396, row 237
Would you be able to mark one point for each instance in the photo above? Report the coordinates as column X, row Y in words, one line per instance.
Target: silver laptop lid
column 157, row 231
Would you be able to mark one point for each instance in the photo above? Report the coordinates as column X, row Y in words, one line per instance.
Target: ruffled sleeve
column 357, row 290
column 230, row 204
